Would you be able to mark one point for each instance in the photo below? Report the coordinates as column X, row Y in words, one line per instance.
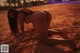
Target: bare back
column 41, row 21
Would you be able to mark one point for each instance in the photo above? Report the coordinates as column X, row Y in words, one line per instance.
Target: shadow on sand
column 31, row 45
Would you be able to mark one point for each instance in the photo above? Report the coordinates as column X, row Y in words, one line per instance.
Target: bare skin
column 41, row 22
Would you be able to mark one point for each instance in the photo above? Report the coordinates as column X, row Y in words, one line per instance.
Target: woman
column 40, row 20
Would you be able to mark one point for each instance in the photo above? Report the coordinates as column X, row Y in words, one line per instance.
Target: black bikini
column 26, row 14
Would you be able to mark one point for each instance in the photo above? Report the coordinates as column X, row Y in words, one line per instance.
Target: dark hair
column 13, row 20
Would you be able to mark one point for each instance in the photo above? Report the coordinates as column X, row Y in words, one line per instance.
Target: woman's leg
column 41, row 24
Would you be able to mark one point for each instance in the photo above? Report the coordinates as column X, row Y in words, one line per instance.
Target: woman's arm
column 21, row 21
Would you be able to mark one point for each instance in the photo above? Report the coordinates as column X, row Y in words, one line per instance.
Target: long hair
column 13, row 20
